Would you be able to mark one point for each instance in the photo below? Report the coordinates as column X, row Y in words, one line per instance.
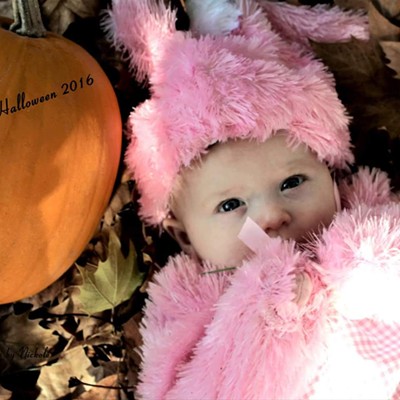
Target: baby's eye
column 292, row 182
column 230, row 205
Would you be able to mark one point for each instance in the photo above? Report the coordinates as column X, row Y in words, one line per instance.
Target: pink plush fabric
column 320, row 23
column 210, row 88
column 239, row 336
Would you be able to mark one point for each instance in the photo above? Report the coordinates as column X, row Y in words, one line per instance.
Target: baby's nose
column 273, row 218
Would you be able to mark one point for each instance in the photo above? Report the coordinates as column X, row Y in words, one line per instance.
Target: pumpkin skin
column 59, row 158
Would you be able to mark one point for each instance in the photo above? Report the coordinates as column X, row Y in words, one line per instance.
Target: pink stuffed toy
column 313, row 321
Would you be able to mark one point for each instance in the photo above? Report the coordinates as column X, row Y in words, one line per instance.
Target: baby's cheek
column 235, row 254
column 225, row 253
column 328, row 215
column 319, row 216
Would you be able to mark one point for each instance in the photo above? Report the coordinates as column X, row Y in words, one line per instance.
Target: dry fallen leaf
column 5, row 394
column 24, row 343
column 95, row 333
column 131, row 331
column 100, row 393
column 392, row 51
column 371, row 94
column 53, row 379
column 133, row 340
column 49, row 294
column 352, row 4
column 381, row 27
column 59, row 14
column 122, row 197
column 113, row 282
column 365, row 84
column 381, row 15
column 390, row 9
column 6, row 9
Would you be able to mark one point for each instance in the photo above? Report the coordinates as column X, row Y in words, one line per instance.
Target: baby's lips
column 303, row 288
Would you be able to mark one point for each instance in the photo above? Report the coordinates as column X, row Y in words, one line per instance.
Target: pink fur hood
column 246, row 84
column 239, row 335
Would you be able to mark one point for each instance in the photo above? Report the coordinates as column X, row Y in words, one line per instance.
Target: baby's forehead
column 236, row 158
column 233, row 150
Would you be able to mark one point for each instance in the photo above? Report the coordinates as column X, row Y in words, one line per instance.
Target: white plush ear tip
column 214, row 17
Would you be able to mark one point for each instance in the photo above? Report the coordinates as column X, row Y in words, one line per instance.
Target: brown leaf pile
column 59, row 14
column 51, row 344
column 368, row 82
column 49, row 347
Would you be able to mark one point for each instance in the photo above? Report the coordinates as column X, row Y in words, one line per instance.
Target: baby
column 288, row 192
column 287, row 286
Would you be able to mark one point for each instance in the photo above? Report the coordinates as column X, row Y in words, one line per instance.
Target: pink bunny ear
column 320, row 23
column 137, row 27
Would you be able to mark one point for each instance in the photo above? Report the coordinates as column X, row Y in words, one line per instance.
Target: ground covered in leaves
column 79, row 338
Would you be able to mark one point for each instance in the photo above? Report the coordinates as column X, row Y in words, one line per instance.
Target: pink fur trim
column 180, row 306
column 367, row 186
column 360, row 260
column 321, row 23
column 200, row 326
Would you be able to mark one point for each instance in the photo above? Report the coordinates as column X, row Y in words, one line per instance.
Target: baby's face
column 288, row 192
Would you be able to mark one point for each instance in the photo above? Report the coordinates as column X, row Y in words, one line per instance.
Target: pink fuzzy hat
column 244, row 71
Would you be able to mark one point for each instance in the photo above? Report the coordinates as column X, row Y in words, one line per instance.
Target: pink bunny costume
column 245, row 71
column 210, row 88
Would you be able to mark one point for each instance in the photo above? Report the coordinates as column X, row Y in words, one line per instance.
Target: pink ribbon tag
column 252, row 235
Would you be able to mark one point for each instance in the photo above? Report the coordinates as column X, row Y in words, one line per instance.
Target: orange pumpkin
column 60, row 145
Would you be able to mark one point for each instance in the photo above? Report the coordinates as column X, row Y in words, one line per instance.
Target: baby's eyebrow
column 228, row 192
column 221, row 194
column 299, row 161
